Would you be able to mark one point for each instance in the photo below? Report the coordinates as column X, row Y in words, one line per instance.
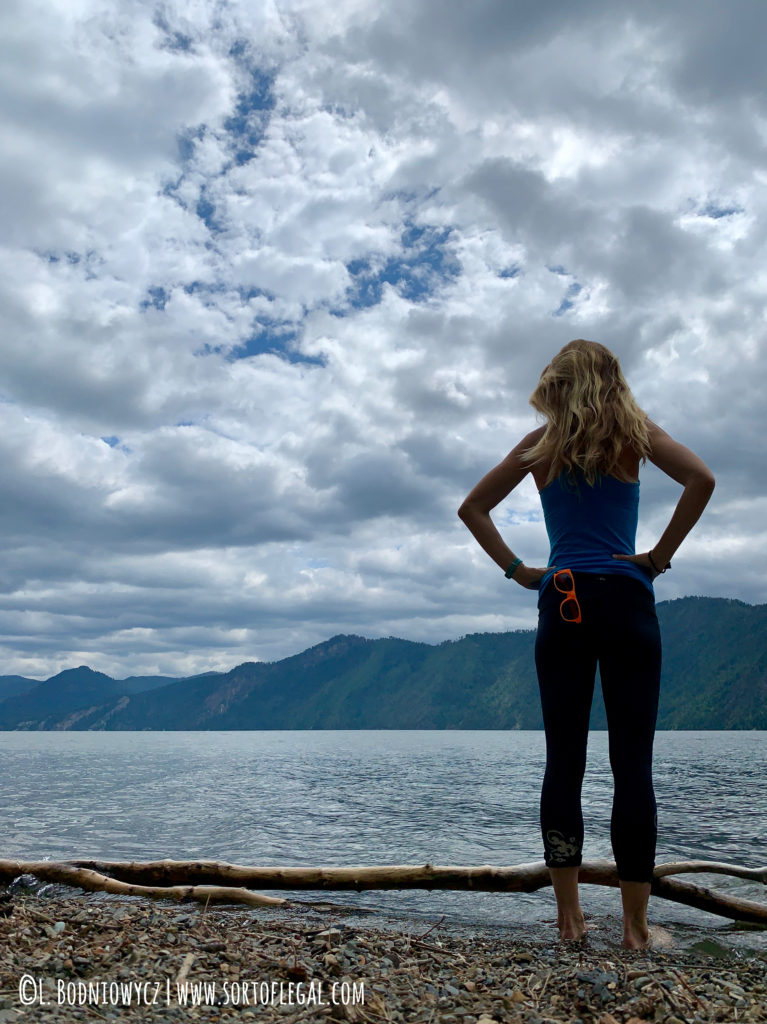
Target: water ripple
column 372, row 797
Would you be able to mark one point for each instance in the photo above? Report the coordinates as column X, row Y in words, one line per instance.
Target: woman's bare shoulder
column 538, row 470
column 653, row 430
column 531, row 439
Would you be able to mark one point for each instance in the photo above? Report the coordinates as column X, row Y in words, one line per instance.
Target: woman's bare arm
column 687, row 469
column 492, row 489
column 692, row 472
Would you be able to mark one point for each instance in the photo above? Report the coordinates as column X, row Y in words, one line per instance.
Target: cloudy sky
column 279, row 276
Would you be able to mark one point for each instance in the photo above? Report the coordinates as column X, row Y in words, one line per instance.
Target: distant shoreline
column 713, row 679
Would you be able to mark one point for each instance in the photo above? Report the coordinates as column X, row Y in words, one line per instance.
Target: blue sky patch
column 114, row 442
column 568, row 300
column 206, row 211
column 247, row 125
column 276, row 337
column 197, row 287
column 156, row 298
column 88, row 260
column 425, row 264
column 716, row 212
column 72, row 258
column 252, row 292
column 173, row 40
column 269, row 334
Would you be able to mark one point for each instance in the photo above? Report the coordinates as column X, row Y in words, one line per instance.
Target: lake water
column 382, row 797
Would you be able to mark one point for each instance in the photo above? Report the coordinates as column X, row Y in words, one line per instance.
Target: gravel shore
column 126, row 960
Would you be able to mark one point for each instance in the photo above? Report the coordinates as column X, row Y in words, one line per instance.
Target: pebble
column 406, row 975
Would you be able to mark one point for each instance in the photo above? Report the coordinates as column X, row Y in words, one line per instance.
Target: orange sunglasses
column 570, row 610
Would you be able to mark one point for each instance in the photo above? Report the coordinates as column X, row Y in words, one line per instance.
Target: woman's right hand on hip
column 528, row 577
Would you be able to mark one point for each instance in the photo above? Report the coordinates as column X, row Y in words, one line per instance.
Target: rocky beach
column 69, row 957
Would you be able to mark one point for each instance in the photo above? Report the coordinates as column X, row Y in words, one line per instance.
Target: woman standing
column 596, row 605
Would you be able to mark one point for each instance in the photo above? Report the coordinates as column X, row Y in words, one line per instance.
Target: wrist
column 513, row 568
column 659, row 564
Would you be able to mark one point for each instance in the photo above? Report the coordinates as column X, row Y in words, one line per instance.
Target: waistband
column 601, row 582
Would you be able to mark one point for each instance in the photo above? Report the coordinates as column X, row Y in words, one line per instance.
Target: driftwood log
column 216, row 880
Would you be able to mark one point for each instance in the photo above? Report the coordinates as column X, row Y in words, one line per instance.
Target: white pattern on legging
column 561, row 848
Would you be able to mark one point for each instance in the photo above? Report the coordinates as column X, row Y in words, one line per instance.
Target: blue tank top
column 587, row 524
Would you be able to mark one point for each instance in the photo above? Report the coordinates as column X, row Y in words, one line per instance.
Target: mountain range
column 714, row 677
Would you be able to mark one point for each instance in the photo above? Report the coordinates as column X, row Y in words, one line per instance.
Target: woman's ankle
column 635, row 897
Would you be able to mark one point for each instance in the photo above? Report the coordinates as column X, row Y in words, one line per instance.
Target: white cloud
column 396, row 213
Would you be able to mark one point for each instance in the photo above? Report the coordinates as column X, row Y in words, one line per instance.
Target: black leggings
column 619, row 629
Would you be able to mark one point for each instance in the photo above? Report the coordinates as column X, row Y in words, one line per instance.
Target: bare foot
column 653, row 937
column 572, row 926
column 636, row 935
column 636, row 931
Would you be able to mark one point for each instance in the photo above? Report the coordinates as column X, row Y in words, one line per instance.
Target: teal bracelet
column 513, row 568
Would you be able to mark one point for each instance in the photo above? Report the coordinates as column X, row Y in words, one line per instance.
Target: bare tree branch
column 208, row 879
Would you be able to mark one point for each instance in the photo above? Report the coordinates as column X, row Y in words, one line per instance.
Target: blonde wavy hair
column 591, row 415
